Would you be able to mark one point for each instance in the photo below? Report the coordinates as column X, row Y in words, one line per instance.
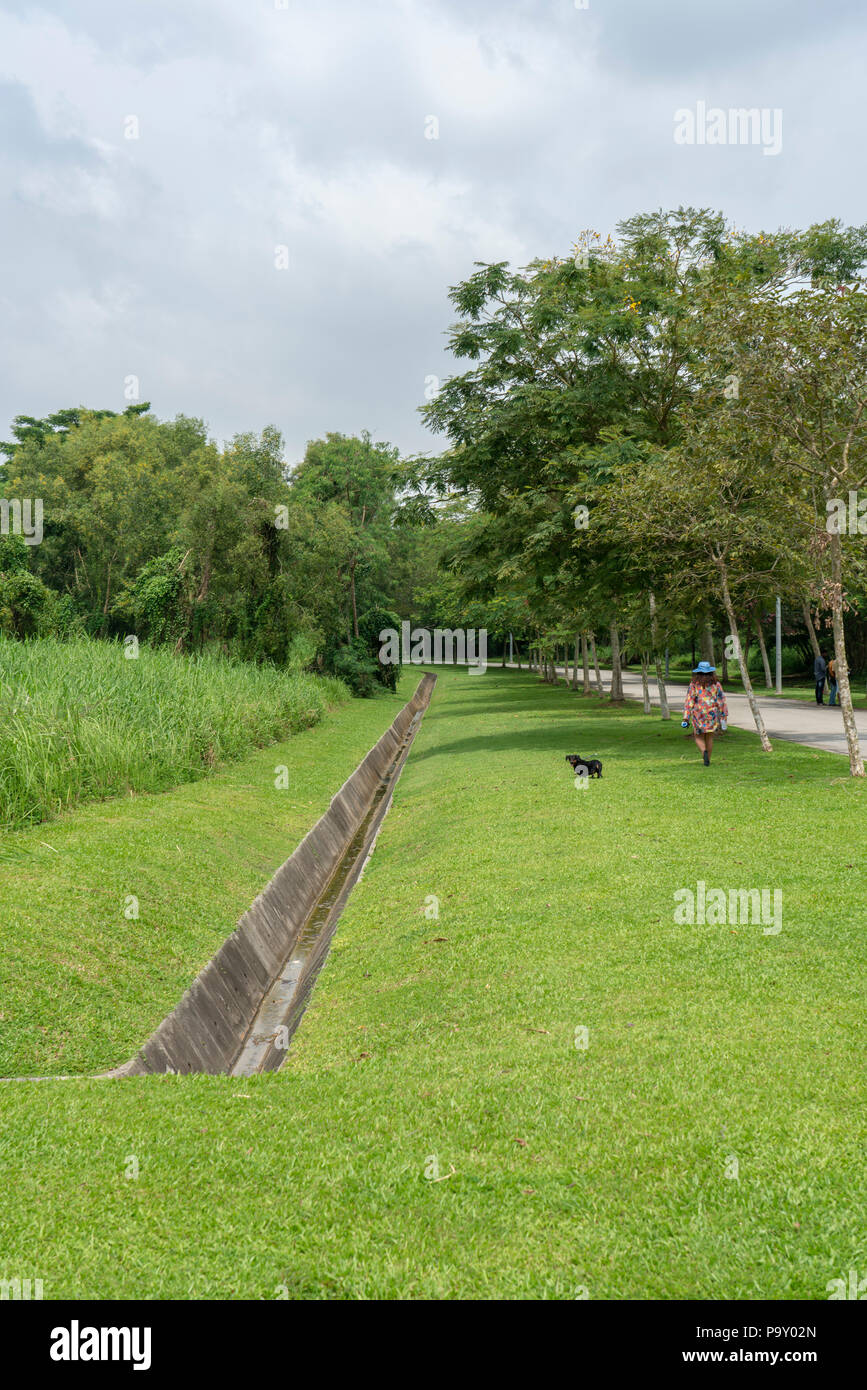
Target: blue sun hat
column 703, row 668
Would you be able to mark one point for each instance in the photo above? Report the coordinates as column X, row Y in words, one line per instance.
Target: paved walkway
column 798, row 720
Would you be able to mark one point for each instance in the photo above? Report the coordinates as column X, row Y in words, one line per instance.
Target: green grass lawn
column 435, row 1131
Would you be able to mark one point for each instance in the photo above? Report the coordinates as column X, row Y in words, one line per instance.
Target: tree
column 800, row 361
column 362, row 478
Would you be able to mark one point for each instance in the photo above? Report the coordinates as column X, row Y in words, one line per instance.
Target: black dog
column 593, row 765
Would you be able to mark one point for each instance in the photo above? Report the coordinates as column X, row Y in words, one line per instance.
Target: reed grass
column 79, row 721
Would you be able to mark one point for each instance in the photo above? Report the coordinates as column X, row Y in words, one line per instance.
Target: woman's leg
column 704, row 743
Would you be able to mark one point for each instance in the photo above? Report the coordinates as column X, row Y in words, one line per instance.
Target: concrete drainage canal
column 239, row 1014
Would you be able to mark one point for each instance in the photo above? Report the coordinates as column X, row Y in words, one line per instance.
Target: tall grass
column 79, row 721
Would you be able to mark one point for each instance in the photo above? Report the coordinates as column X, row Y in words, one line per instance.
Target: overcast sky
column 262, row 124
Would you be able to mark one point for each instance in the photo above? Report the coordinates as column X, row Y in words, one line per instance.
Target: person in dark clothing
column 820, row 667
column 832, row 682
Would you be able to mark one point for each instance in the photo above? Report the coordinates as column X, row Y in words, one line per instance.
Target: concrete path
column 797, row 720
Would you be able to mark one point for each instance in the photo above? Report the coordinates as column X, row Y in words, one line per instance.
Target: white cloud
column 305, row 126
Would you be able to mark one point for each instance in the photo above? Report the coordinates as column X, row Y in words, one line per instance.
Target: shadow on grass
column 620, row 734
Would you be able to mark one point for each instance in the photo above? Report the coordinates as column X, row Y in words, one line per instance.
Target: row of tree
column 655, row 436
column 150, row 528
column 658, row 434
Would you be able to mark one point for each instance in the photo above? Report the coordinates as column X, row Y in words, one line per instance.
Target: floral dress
column 705, row 706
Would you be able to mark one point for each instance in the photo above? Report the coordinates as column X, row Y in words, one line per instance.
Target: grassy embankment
column 79, row 721
column 708, row 1141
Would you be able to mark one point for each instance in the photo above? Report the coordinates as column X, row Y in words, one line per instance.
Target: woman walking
column 705, row 708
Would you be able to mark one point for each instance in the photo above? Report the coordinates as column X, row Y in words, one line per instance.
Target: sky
column 251, row 211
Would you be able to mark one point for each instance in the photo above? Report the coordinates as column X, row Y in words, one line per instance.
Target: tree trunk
column 575, row 661
column 616, row 692
column 856, row 762
column 104, row 623
column 745, row 675
column 811, row 630
column 599, row 689
column 645, row 688
column 352, row 592
column 660, row 683
column 585, row 682
column 707, row 643
column 764, row 651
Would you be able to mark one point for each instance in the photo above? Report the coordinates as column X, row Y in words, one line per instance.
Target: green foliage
column 25, row 603
column 301, row 654
column 154, row 597
column 353, row 664
column 607, row 381
column 27, row 429
column 150, row 529
column 370, row 625
column 79, row 721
